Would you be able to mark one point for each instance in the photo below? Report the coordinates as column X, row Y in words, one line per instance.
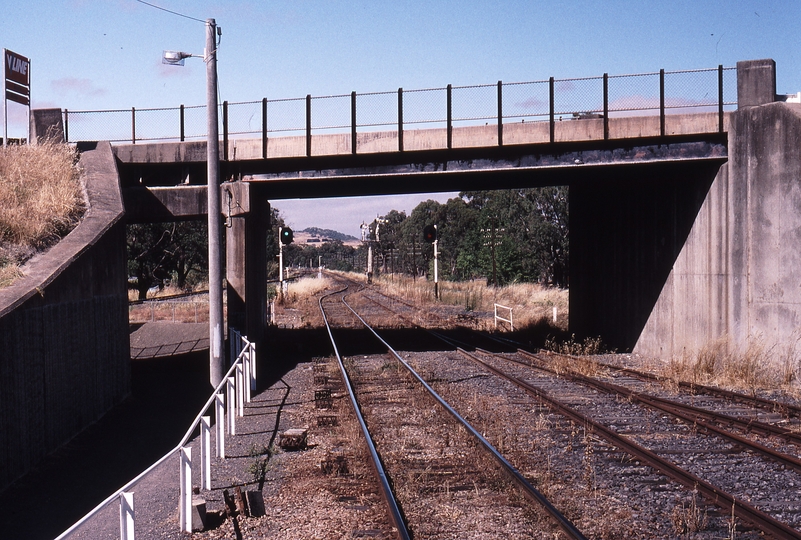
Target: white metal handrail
column 510, row 320
column 237, row 391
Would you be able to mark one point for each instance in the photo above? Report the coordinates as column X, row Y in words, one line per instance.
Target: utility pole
column 216, row 336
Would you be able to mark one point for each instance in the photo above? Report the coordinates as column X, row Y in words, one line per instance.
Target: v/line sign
column 18, row 77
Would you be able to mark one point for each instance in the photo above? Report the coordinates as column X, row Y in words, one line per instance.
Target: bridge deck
column 565, row 131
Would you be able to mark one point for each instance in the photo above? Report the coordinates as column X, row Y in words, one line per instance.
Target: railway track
column 447, row 479
column 702, row 453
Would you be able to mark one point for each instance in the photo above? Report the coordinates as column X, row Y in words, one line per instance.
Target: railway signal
column 286, row 235
column 430, row 233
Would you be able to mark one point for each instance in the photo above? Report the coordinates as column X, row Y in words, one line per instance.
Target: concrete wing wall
column 64, row 350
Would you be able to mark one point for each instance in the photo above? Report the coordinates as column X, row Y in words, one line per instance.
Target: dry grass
column 305, row 287
column 531, row 303
column 752, row 367
column 41, row 200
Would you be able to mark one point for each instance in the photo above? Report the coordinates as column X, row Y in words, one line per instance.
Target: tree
column 148, row 259
column 189, row 253
column 531, row 234
column 161, row 252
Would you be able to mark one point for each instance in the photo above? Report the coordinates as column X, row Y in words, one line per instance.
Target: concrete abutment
column 735, row 280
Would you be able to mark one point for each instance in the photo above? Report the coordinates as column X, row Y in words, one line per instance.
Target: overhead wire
column 170, row 11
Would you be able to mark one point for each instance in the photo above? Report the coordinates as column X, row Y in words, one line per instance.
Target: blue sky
column 90, row 55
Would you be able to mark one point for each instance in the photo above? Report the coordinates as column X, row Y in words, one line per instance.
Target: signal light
column 286, row 235
column 430, row 233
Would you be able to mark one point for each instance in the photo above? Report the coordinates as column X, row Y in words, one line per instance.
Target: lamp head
column 174, row 58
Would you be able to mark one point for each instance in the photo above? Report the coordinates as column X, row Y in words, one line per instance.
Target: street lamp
column 216, row 336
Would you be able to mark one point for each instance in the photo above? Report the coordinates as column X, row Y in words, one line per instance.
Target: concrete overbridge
column 670, row 216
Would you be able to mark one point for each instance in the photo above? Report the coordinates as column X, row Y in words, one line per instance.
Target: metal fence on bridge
column 551, row 100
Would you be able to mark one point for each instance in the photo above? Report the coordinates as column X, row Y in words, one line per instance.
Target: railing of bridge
column 551, row 100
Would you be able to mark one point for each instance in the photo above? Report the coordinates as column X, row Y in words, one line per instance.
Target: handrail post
column 449, row 94
column 551, row 101
column 133, row 125
column 264, row 128
column 720, row 98
column 500, row 113
column 400, row 119
column 185, row 498
column 205, row 452
column 606, row 106
column 225, row 131
column 353, row 122
column 219, row 422
column 253, row 382
column 127, row 517
column 661, row 102
column 308, row 125
column 240, row 390
column 230, row 402
column 181, row 122
column 246, row 375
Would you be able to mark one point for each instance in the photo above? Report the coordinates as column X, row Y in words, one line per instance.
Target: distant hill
column 328, row 233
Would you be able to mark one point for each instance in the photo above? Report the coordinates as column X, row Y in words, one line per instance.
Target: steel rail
column 565, row 524
column 386, row 490
column 712, row 493
column 762, row 428
column 694, row 415
column 694, row 388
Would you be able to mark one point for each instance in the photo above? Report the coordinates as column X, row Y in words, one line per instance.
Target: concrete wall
column 627, row 227
column 64, row 351
column 737, row 276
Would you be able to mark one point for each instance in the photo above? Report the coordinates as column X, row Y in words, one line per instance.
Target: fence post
column 449, row 93
column 661, row 102
column 127, row 530
column 606, row 106
column 230, row 409
column 264, row 128
column 225, row 131
column 205, row 452
column 66, row 126
column 185, row 499
column 308, row 125
column 353, row 122
column 400, row 119
column 219, row 422
column 181, row 121
column 133, row 125
column 551, row 100
column 720, row 98
column 500, row 113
